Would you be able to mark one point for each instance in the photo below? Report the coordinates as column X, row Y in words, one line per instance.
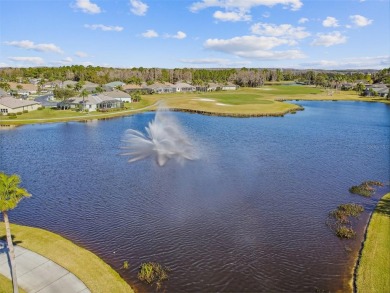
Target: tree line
column 247, row 77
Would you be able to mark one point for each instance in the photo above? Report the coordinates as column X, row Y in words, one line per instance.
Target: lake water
column 247, row 216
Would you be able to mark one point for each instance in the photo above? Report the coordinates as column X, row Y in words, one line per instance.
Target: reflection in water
column 164, row 140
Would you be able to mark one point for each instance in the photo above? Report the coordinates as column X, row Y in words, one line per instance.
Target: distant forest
column 247, row 77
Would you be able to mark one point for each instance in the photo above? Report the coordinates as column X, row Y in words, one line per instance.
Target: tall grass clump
column 339, row 219
column 153, row 273
column 366, row 188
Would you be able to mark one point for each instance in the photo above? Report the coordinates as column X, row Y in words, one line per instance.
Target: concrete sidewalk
column 39, row 274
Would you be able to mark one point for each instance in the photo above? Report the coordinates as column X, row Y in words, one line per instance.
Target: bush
column 11, row 114
column 339, row 218
column 19, row 113
column 152, row 272
column 25, row 111
column 41, row 108
column 345, row 232
column 366, row 188
column 12, row 117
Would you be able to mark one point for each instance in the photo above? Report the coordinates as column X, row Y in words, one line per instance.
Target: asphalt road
column 44, row 101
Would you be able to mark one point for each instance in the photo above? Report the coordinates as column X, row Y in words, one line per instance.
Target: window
column 4, row 110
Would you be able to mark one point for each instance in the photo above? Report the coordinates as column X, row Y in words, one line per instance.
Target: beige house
column 12, row 105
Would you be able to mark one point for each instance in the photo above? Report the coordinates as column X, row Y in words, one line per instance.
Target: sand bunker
column 222, row 104
column 204, row 100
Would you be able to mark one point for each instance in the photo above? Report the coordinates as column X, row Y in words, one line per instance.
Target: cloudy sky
column 328, row 34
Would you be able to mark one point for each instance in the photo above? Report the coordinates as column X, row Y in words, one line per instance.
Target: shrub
column 339, row 218
column 345, row 232
column 152, row 272
column 19, row 113
column 25, row 111
column 11, row 114
column 366, row 188
column 12, row 117
column 41, row 108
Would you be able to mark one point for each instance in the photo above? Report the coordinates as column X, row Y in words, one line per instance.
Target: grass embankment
column 268, row 100
column 374, row 266
column 94, row 272
column 48, row 115
column 6, row 285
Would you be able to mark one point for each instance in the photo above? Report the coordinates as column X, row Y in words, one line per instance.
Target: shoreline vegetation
column 372, row 268
column 265, row 101
column 88, row 267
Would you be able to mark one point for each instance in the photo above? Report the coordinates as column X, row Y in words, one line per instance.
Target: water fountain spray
column 164, row 140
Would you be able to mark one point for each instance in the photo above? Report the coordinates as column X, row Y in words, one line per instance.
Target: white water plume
column 164, row 140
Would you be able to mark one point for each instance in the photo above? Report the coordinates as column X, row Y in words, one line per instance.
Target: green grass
column 267, row 100
column 374, row 267
column 96, row 274
column 6, row 285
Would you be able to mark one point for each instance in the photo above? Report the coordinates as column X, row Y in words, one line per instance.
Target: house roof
column 91, row 99
column 115, row 84
column 13, row 103
column 117, row 94
column 182, row 85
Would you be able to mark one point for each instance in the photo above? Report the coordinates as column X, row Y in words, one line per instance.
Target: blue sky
column 332, row 34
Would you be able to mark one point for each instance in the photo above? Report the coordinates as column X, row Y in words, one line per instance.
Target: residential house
column 91, row 103
column 214, row 87
column 114, row 84
column 119, row 95
column 229, row 87
column 11, row 105
column 184, row 87
column 161, row 88
column 379, row 89
column 90, row 86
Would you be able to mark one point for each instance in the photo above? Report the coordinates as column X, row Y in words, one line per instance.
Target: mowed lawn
column 373, row 274
column 265, row 100
column 96, row 274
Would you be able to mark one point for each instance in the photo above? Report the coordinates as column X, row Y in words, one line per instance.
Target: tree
column 5, row 86
column 10, row 195
column 84, row 93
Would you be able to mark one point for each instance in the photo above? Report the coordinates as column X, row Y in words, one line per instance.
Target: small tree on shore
column 10, row 195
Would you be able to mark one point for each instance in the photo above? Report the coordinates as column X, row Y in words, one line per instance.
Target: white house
column 184, row 87
column 12, row 105
column 229, row 87
column 118, row 95
column 91, row 103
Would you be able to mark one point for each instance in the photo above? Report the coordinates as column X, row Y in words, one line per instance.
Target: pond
column 247, row 216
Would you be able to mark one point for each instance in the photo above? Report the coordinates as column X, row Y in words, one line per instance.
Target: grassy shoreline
column 270, row 100
column 89, row 268
column 373, row 266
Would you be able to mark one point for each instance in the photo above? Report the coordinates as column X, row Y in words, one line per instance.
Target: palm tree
column 84, row 93
column 10, row 195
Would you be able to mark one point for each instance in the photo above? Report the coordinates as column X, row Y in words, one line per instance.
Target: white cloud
column 87, row 6
column 283, row 30
column 28, row 60
column 377, row 62
column 303, row 20
column 360, row 20
column 330, row 22
column 244, row 5
column 254, row 47
column 138, row 7
column 150, row 34
column 105, row 28
column 331, row 39
column 179, row 35
column 29, row 45
column 81, row 54
column 65, row 61
column 232, row 16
